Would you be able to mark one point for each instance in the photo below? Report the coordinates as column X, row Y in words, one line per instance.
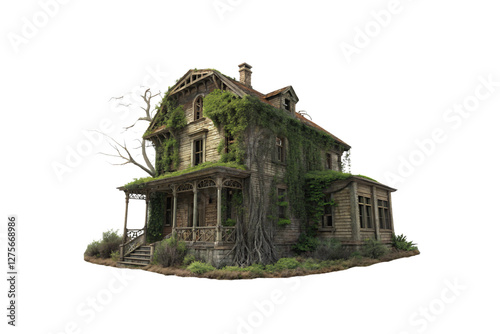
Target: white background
column 395, row 91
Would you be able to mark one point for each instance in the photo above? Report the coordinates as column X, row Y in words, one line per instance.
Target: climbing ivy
column 156, row 217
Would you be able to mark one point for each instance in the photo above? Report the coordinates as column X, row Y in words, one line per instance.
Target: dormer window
column 198, row 108
column 287, row 105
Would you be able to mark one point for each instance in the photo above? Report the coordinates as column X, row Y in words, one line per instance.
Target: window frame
column 365, row 206
column 384, row 216
column 198, row 114
column 328, row 198
column 280, row 149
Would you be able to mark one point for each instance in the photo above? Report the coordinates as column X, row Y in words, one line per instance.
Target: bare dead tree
column 121, row 150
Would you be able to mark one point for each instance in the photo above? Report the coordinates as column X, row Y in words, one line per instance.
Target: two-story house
column 233, row 169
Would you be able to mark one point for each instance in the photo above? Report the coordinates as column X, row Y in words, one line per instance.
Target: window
column 383, row 215
column 197, row 152
column 281, row 198
column 168, row 214
column 365, row 212
column 280, row 150
column 198, row 107
column 287, row 104
column 328, row 212
column 328, row 161
column 229, row 140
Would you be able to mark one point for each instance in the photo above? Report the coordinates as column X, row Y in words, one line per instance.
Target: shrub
column 287, row 263
column 198, row 267
column 373, row 248
column 306, row 243
column 400, row 242
column 110, row 243
column 310, row 264
column 330, row 249
column 115, row 255
column 169, row 252
column 188, row 259
column 92, row 249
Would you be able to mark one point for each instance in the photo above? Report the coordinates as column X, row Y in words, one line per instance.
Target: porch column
column 146, row 218
column 174, row 211
column 354, row 212
column 375, row 213
column 218, row 230
column 124, row 226
column 195, row 210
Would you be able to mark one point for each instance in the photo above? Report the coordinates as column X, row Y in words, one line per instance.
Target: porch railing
column 205, row 234
column 135, row 239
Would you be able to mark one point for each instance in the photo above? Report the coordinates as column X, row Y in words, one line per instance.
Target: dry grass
column 232, row 275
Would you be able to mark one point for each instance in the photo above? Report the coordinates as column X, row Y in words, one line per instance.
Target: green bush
column 188, row 259
column 310, row 264
column 198, row 267
column 92, row 249
column 110, row 243
column 330, row 249
column 103, row 248
column 373, row 248
column 287, row 263
column 400, row 242
column 169, row 252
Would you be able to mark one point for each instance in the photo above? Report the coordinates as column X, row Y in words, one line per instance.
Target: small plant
column 229, row 222
column 373, row 248
column 188, row 259
column 198, row 267
column 330, row 249
column 284, row 221
column 169, row 252
column 115, row 256
column 400, row 242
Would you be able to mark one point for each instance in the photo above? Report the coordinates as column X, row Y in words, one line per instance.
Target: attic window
column 287, row 104
column 198, row 107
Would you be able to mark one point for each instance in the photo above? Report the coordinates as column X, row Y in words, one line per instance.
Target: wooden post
column 355, row 212
column 174, row 212
column 218, row 230
column 375, row 213
column 146, row 219
column 124, row 225
column 195, row 210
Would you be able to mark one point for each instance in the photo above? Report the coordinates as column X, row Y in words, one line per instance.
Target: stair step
column 126, row 263
column 132, row 257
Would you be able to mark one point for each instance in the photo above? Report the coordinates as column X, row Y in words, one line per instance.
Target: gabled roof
column 282, row 91
column 196, row 76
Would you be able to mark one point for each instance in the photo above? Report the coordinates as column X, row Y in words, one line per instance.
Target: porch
column 194, row 204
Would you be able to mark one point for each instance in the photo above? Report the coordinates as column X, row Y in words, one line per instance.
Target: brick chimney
column 246, row 74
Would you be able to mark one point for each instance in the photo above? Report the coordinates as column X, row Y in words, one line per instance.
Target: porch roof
column 164, row 184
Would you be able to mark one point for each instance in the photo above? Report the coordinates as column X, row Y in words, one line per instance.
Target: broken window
column 365, row 212
column 287, row 104
column 280, row 150
column 197, row 152
column 198, row 108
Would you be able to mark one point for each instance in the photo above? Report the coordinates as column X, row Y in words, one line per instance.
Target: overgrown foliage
column 330, row 249
column 373, row 248
column 169, row 252
column 400, row 242
column 237, row 118
column 103, row 248
column 156, row 217
column 198, row 267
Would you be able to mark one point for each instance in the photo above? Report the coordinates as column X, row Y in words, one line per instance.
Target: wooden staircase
column 140, row 257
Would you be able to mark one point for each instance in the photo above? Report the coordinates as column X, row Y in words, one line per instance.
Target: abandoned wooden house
column 236, row 177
